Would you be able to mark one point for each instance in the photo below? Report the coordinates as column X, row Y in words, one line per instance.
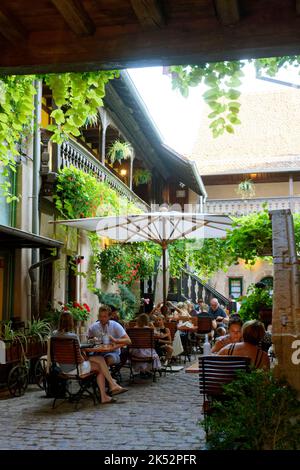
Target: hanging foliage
column 76, row 96
column 16, row 108
column 125, row 263
column 79, row 194
column 222, row 80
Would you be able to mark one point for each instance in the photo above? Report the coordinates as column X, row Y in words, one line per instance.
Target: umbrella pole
column 164, row 249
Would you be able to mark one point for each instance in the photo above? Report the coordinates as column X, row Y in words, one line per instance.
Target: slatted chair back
column 216, row 371
column 65, row 351
column 141, row 338
column 204, row 323
column 172, row 325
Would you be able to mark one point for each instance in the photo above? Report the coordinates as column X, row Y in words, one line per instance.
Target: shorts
column 84, row 368
column 115, row 356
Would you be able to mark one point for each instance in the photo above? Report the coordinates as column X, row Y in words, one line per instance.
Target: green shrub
column 257, row 299
column 124, row 301
column 259, row 412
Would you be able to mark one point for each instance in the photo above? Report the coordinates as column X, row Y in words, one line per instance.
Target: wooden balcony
column 247, row 206
column 72, row 153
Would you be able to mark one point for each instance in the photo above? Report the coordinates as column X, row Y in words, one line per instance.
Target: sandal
column 119, row 390
column 108, row 402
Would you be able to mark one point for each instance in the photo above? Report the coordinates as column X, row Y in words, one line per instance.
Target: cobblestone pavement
column 150, row 416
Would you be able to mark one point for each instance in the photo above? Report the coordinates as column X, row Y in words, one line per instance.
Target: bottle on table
column 206, row 347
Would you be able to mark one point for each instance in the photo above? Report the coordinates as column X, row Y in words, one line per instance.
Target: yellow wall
column 261, row 190
column 249, row 274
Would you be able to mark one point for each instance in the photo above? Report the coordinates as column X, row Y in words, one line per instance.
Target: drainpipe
column 35, row 194
column 131, row 169
column 200, row 183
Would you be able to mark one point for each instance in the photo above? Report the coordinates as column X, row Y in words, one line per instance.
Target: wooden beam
column 75, row 16
column 149, row 13
column 10, row 29
column 227, row 11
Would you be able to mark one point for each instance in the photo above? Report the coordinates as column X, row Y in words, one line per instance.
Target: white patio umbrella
column 162, row 227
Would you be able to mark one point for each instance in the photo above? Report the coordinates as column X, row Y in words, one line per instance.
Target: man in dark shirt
column 217, row 313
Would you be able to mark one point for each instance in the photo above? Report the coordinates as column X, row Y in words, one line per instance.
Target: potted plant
column 119, row 151
column 141, row 176
column 257, row 305
column 246, row 189
column 37, row 332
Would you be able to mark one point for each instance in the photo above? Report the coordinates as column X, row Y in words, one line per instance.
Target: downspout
column 200, row 183
column 35, row 194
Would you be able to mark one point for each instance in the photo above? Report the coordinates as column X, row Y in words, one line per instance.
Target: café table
column 100, row 348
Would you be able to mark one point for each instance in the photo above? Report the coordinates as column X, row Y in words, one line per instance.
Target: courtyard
column 150, row 416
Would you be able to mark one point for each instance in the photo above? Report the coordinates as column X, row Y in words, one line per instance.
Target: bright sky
column 178, row 118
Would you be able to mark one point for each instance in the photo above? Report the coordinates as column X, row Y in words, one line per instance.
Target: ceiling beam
column 149, row 13
column 227, row 11
column 75, row 16
column 11, row 29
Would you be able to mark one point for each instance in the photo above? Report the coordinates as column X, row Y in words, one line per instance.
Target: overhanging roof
column 15, row 238
column 64, row 35
column 132, row 117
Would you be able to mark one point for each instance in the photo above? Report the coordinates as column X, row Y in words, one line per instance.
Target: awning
column 14, row 238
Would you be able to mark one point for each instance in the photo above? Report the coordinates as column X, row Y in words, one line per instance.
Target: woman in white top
column 65, row 328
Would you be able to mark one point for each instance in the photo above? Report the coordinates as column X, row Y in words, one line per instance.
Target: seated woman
column 144, row 368
column 253, row 331
column 95, row 363
column 234, row 335
column 163, row 341
column 182, row 310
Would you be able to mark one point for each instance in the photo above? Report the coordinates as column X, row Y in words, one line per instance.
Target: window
column 268, row 281
column 235, row 287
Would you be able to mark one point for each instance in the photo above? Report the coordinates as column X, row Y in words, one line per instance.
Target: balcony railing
column 72, row 153
column 247, row 206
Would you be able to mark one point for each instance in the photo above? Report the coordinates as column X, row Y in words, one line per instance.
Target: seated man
column 217, row 313
column 201, row 306
column 111, row 329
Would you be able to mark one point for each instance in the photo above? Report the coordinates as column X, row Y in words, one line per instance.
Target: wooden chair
column 115, row 369
column 204, row 327
column 67, row 351
column 141, row 338
column 214, row 373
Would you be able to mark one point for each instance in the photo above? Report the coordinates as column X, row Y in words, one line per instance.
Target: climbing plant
column 76, row 98
column 125, row 263
column 16, row 108
column 79, row 194
column 222, row 80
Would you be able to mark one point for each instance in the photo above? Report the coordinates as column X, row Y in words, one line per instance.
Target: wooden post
column 286, row 299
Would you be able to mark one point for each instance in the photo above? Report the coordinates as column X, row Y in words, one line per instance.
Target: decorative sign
column 180, row 193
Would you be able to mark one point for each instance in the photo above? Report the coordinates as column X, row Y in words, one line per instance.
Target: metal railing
column 247, row 206
column 192, row 288
column 72, row 153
